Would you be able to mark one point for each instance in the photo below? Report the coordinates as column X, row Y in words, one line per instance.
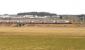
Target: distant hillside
column 37, row 13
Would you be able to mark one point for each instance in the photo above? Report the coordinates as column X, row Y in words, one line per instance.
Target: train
column 34, row 21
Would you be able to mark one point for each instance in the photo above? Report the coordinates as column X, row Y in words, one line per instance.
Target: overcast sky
column 53, row 6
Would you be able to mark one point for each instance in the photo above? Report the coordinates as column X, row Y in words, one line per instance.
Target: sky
column 53, row 6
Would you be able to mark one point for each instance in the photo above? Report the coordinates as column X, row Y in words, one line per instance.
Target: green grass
column 27, row 42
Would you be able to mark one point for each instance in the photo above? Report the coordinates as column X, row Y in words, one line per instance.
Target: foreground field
column 42, row 38
column 17, row 42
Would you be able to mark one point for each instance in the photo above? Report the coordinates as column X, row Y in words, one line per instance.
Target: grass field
column 42, row 38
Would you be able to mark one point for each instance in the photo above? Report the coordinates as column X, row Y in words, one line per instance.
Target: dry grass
column 74, row 31
column 45, row 38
